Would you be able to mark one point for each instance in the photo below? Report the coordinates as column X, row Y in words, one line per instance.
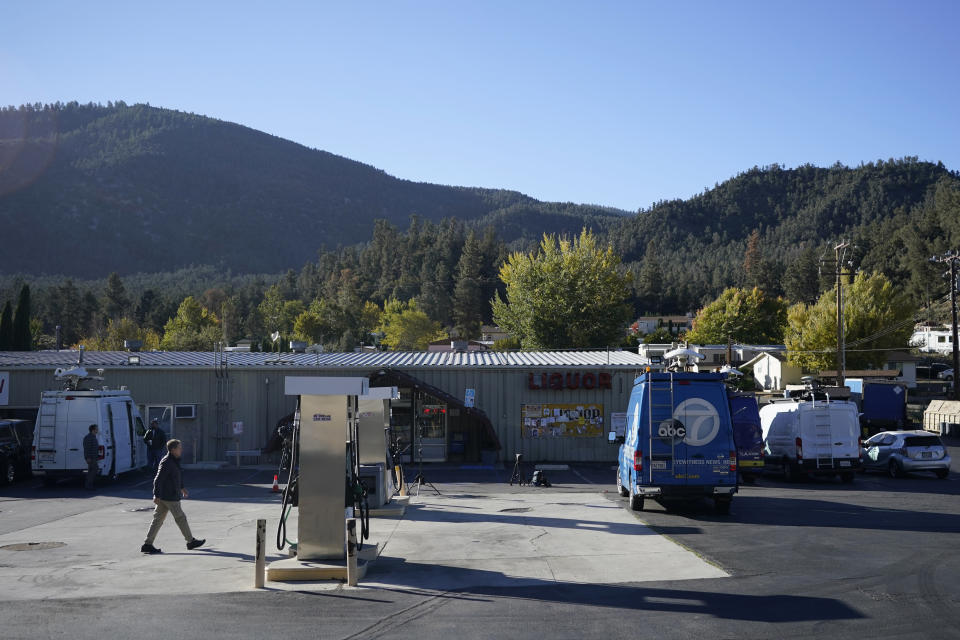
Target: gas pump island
column 339, row 424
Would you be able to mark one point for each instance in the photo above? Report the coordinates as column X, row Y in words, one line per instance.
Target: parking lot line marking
column 581, row 476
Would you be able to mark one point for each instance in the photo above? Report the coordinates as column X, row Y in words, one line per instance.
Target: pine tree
column 115, row 301
column 6, row 328
column 752, row 260
column 22, row 338
column 468, row 302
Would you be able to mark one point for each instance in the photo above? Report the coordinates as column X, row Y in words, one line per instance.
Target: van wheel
column 722, row 506
column 942, row 473
column 49, row 482
column 620, row 488
column 847, row 477
column 636, row 501
column 9, row 470
column 894, row 469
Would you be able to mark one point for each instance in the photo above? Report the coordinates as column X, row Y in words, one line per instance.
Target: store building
column 468, row 407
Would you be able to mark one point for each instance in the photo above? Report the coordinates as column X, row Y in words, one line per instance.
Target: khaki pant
column 160, row 514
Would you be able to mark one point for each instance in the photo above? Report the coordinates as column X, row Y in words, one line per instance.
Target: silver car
column 900, row 452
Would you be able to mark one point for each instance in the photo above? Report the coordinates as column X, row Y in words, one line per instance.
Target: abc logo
column 672, row 429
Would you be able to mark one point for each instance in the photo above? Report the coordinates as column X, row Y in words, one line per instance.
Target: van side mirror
column 613, row 438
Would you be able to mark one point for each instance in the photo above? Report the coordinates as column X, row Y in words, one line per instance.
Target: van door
column 667, row 451
column 846, row 434
column 81, row 412
column 120, row 432
column 704, row 411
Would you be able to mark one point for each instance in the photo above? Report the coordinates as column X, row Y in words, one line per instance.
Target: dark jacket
column 155, row 439
column 91, row 446
column 169, row 480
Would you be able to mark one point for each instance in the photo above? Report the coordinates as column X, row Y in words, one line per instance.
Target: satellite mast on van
column 73, row 377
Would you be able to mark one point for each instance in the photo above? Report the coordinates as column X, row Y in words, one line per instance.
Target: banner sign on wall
column 561, row 420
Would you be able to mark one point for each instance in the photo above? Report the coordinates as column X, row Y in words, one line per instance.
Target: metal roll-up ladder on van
column 823, row 436
column 662, row 405
column 46, row 444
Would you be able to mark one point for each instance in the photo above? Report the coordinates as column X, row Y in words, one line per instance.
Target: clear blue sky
column 614, row 103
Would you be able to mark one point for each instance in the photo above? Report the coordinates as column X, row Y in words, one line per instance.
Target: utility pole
column 840, row 250
column 951, row 258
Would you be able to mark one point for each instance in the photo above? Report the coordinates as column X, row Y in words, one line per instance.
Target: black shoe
column 149, row 548
column 193, row 544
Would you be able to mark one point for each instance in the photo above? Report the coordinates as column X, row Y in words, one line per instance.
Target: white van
column 812, row 437
column 64, row 420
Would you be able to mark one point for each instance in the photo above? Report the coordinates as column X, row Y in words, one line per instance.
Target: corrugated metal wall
column 256, row 397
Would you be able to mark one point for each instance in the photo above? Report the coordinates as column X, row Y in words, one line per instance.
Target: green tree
column 118, row 332
column 876, row 317
column 660, row 335
column 318, row 324
column 801, row 280
column 22, row 338
column 192, row 329
column 468, row 301
column 115, row 300
column 6, row 327
column 568, row 294
column 745, row 315
column 649, row 286
column 406, row 328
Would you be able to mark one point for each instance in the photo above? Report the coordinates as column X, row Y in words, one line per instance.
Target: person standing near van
column 91, row 453
column 156, row 441
column 167, row 490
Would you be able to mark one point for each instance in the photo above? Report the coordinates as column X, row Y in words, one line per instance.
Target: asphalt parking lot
column 878, row 558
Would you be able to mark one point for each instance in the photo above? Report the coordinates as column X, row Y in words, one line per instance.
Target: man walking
column 91, row 452
column 156, row 441
column 167, row 491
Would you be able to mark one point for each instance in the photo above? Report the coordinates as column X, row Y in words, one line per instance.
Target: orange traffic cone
column 276, row 487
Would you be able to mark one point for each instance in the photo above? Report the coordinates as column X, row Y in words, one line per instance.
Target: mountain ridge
column 118, row 178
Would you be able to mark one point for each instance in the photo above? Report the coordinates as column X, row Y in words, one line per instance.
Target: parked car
column 946, row 374
column 16, row 437
column 931, row 371
column 900, row 452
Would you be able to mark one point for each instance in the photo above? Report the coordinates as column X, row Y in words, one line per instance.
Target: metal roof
column 360, row 360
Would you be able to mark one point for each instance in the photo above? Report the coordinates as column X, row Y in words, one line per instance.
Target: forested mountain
column 86, row 190
column 90, row 189
column 897, row 213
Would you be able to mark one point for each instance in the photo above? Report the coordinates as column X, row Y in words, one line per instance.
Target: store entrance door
column 433, row 432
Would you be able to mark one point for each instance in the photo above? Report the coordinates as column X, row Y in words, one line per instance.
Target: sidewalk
column 447, row 542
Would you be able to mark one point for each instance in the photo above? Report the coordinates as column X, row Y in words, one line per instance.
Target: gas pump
column 324, row 478
column 373, row 436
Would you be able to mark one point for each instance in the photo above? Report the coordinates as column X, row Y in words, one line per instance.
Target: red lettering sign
column 557, row 381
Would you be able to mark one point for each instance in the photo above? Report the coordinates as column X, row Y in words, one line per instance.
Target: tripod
column 518, row 472
column 419, row 481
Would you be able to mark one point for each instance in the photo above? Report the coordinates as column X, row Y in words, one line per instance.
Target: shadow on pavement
column 804, row 512
column 771, row 608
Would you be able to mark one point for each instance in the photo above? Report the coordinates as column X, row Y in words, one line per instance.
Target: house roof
column 627, row 360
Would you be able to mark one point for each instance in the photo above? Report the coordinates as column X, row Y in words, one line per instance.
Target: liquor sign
column 571, row 380
column 561, row 420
